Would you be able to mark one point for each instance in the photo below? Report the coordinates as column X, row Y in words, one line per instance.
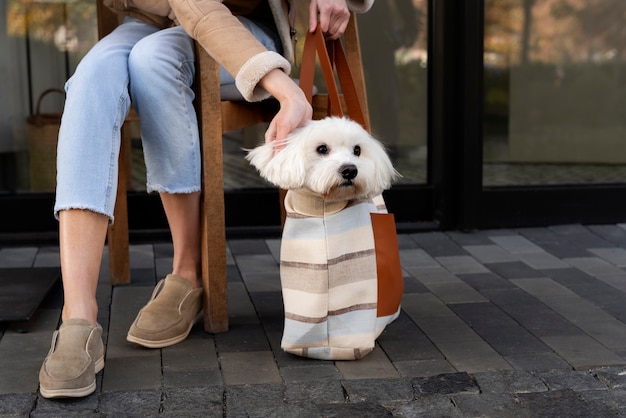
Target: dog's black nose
column 348, row 171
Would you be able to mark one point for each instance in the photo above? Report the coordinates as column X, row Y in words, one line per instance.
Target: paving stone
column 424, row 305
column 242, row 337
column 72, row 407
column 130, row 403
column 472, row 405
column 476, row 237
column 375, row 365
column 256, row 263
column 416, row 258
column 196, row 352
column 537, row 361
column 191, row 378
column 516, row 244
column 513, row 270
column 361, row 410
column 561, row 403
column 317, row 391
column 499, row 329
column 439, row 406
column 594, row 266
column 240, row 308
column 583, row 352
column 611, row 233
column 438, row 244
column 403, row 340
column 17, row 404
column 132, row 373
column 425, row 368
column 567, row 379
column 247, row 400
column 473, row 356
column 612, row 377
column 18, row 257
column 250, row 367
column 412, row 285
column 286, row 410
column 455, row 292
column 532, row 314
column 378, row 390
column 445, row 384
column 141, row 256
column 306, row 372
column 207, row 400
column 486, row 254
column 508, row 382
column 486, row 281
column 264, row 281
column 447, row 329
column 461, row 264
column 543, row 260
column 615, row 256
column 247, row 246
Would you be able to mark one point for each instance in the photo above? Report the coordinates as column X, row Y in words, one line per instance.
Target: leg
column 97, row 102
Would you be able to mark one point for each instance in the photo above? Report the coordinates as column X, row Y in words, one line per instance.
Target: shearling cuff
column 254, row 70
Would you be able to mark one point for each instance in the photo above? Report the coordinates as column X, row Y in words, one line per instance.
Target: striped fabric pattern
column 328, row 278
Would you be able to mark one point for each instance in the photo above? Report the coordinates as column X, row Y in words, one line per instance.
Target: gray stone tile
column 240, row 247
column 141, row 256
column 513, row 270
column 437, row 244
column 126, row 403
column 197, row 352
column 583, row 352
column 516, row 244
column 418, row 258
column 566, row 379
column 132, row 373
column 461, row 264
column 486, row 281
column 509, row 382
column 402, row 340
column 249, row 368
column 240, row 308
column 374, row 365
column 473, row 356
column 490, row 254
column 423, row 368
column 263, row 281
column 499, row 329
column 447, row 329
column 446, row 384
column 424, row 305
column 561, row 403
column 379, row 390
column 539, row 261
column 325, row 371
column 537, row 361
column 317, row 391
column 455, row 292
column 242, row 337
column 256, row 263
column 191, row 378
column 18, row 257
column 615, row 256
column 17, row 404
column 205, row 401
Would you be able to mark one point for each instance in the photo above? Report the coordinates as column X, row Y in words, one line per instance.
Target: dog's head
column 334, row 157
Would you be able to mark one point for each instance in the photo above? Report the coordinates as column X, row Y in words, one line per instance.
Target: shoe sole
column 77, row 392
column 164, row 343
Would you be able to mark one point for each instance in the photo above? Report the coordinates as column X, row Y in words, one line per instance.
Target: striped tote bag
column 340, row 276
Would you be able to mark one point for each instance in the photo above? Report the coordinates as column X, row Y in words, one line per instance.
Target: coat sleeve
column 221, row 34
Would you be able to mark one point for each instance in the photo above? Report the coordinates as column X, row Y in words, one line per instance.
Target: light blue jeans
column 153, row 69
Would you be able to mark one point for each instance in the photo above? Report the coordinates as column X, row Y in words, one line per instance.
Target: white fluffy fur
column 300, row 164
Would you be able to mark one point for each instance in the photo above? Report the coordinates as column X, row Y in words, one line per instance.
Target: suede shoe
column 76, row 355
column 169, row 316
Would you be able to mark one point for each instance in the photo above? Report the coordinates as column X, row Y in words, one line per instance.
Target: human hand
column 294, row 111
column 333, row 16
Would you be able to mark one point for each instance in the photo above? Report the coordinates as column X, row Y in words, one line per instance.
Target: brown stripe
column 360, row 307
column 351, row 256
column 308, row 266
column 305, row 319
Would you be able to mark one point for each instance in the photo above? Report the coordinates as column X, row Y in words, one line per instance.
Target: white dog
column 334, row 158
column 334, row 173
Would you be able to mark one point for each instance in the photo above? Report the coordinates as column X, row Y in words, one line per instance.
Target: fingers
column 333, row 17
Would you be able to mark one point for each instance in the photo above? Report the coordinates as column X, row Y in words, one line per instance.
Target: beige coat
column 214, row 26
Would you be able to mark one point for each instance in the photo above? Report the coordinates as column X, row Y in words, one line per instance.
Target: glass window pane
column 554, row 92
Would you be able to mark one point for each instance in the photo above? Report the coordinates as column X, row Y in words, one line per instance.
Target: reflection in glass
column 554, row 92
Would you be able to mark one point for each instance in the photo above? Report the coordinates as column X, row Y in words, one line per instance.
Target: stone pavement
column 501, row 323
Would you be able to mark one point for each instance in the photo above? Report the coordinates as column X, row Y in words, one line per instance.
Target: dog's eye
column 357, row 150
column 322, row 149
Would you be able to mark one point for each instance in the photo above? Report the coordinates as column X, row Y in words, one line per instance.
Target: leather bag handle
column 332, row 56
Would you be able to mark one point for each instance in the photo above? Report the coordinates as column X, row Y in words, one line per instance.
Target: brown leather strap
column 330, row 53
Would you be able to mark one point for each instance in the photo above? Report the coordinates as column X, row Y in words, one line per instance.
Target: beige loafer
column 169, row 316
column 76, row 355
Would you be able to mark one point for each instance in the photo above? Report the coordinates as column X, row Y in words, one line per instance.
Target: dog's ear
column 384, row 171
column 285, row 168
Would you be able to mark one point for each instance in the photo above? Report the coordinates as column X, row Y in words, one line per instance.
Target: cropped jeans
column 152, row 69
